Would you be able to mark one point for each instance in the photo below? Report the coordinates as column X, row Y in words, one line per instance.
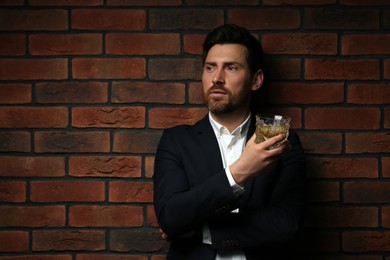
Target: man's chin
column 220, row 109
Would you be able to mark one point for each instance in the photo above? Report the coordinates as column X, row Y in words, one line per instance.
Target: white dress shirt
column 231, row 146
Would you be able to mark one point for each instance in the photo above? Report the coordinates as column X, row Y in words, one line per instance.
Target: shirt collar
column 219, row 129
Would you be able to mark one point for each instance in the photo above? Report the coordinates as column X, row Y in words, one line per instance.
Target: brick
column 366, row 192
column 67, row 191
column 298, row 2
column 321, row 191
column 365, row 44
column 65, row 44
column 386, row 118
column 136, row 141
column 33, row 117
column 68, row 240
column 282, row 68
column 222, row 2
column 106, row 216
column 148, row 92
column 387, row 69
column 151, row 217
column 184, row 19
column 72, row 142
column 342, row 118
column 342, row 168
column 32, row 216
column 149, row 166
column 37, row 257
column 138, row 192
column 14, row 241
column 333, row 217
column 192, row 43
column 300, row 43
column 33, row 20
column 305, row 93
column 337, row 69
column 361, row 93
column 321, row 143
column 168, row 117
column 108, row 117
column 341, row 19
column 15, row 166
column 175, row 69
column 71, row 92
column 12, row 44
column 158, row 257
column 15, row 93
column 137, row 240
column 12, row 191
column 144, row 3
column 373, row 142
column 195, row 93
column 265, row 19
column 386, row 167
column 365, row 241
column 11, row 2
column 65, row 3
column 143, row 44
column 386, row 217
column 15, row 141
column 108, row 19
column 109, row 68
column 33, row 69
column 364, row 2
column 110, row 257
column 105, row 166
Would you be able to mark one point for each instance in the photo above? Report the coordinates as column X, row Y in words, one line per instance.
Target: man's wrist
column 236, row 177
column 238, row 190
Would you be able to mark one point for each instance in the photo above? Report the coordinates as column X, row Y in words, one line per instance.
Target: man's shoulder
column 178, row 129
column 186, row 128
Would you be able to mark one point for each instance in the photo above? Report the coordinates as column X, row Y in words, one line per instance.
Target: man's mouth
column 217, row 92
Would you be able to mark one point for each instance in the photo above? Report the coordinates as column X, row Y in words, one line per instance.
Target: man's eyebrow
column 224, row 63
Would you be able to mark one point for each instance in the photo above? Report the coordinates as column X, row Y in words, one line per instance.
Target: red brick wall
column 87, row 86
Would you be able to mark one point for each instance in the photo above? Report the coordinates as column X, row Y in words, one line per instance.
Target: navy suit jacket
column 191, row 189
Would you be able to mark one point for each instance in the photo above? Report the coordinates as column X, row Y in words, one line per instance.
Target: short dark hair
column 231, row 33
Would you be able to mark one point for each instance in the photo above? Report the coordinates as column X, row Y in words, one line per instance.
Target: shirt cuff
column 237, row 189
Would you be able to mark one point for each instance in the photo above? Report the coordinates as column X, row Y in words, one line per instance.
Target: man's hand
column 257, row 159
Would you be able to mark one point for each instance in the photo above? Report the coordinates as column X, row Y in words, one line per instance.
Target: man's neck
column 231, row 120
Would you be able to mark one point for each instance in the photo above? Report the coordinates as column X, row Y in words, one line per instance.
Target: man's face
column 226, row 78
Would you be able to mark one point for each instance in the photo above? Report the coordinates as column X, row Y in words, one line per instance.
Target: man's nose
column 218, row 76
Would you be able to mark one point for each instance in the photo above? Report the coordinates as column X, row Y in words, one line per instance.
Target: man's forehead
column 227, row 53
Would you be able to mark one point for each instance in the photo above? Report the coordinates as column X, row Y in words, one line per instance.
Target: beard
column 227, row 104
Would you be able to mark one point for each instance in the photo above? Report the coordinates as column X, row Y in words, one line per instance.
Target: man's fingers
column 273, row 140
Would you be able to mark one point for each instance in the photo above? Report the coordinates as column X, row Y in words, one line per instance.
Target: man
column 218, row 194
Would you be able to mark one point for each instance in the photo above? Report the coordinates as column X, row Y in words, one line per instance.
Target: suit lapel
column 204, row 134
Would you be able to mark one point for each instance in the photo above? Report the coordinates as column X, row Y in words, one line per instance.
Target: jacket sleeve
column 276, row 221
column 180, row 206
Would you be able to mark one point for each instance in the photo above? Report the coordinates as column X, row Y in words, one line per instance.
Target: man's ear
column 258, row 79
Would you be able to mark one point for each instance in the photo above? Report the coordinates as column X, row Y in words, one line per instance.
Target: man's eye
column 232, row 68
column 209, row 68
